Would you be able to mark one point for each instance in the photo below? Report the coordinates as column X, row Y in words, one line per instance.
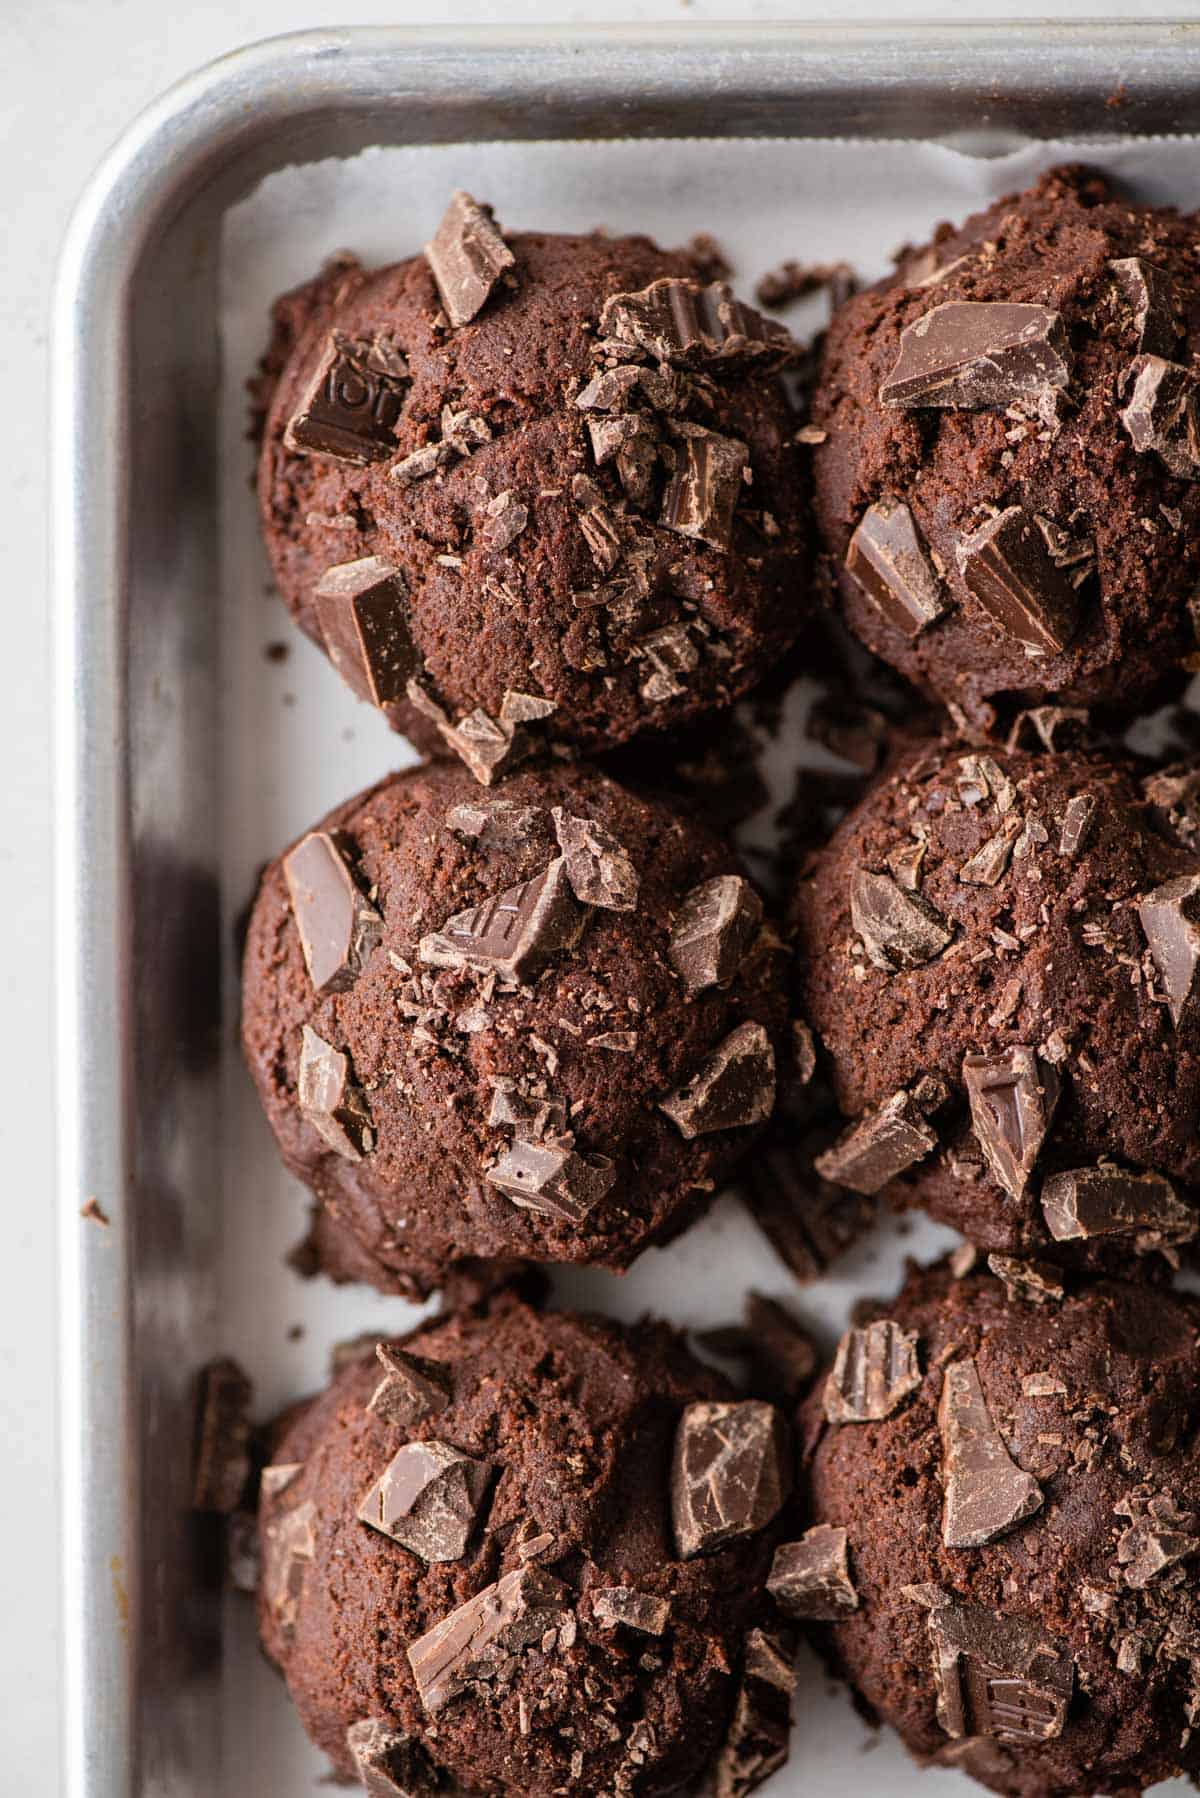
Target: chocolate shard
column 350, row 407
column 279, row 1476
column 487, row 746
column 979, row 353
column 899, row 929
column 879, row 1146
column 672, row 657
column 759, row 1736
column 390, row 1764
column 1078, row 820
column 703, row 493
column 1035, row 1282
column 331, row 1101
column 467, row 256
column 600, row 871
column 1160, row 1536
column 1008, row 569
column 1111, row 1201
column 339, row 928
column 504, row 520
column 643, row 1611
column 810, row 1579
column 479, row 1639
column 553, row 1181
column 1170, row 919
column 531, row 1118
column 888, row 559
column 221, row 1464
column 1152, row 302
column 362, row 612
column 782, row 1353
column 525, row 708
column 516, row 933
column 1048, row 727
column 597, row 522
column 1012, row 1097
column 985, row 1493
column 692, row 325
column 712, row 931
column 427, row 1499
column 494, row 821
column 1001, row 1678
column 1162, row 414
column 732, row 1088
column 729, row 1473
column 412, row 1387
column 808, row 1221
column 990, row 862
column 873, row 1372
column 289, row 1544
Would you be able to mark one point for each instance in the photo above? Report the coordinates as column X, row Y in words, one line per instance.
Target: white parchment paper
column 296, row 742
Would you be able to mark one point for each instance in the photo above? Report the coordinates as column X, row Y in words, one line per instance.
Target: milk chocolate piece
column 899, row 929
column 351, row 405
column 335, row 1107
column 1170, row 918
column 553, row 1181
column 1012, row 1097
column 686, row 323
column 222, row 1458
column 985, row 1493
column 1153, row 302
column 1008, row 569
column 810, row 1579
column 706, row 486
column 712, row 931
column 874, row 1370
column 427, row 1499
column 1111, row 1201
column 412, row 1388
column 1160, row 1536
column 289, row 1543
column 515, row 932
column 1162, row 413
column 998, row 1677
column 731, row 1089
column 729, row 1473
column 467, row 257
column 889, row 561
column 759, row 1736
column 362, row 612
column 879, row 1146
column 598, row 868
column 389, row 1764
column 642, row 1611
column 339, row 928
column 477, row 1640
column 979, row 353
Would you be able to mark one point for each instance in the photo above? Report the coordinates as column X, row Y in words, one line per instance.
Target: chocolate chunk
column 335, row 1107
column 1049, row 727
column 494, row 821
column 221, row 1465
column 713, row 930
column 1110, row 1201
column 1170, row 918
column 704, row 490
column 1076, row 824
column 874, row 1370
column 879, row 1146
column 1012, row 1098
column 1008, row 569
column 600, row 529
column 979, row 353
column 362, row 613
column 487, row 747
column 998, row 1677
column 476, row 1641
column 631, row 440
column 412, row 1387
column 389, row 1764
column 1036, row 1282
column 1160, row 1536
column 351, row 405
column 525, row 708
column 731, row 1089
column 889, row 561
column 516, row 932
column 279, row 1476
column 552, row 1181
column 598, row 868
column 636, row 1610
column 809, row 1222
column 1064, row 551
column 759, row 1736
column 985, row 1493
column 289, row 1543
column 857, row 733
column 899, row 929
column 810, row 1579
column 729, row 1473
column 531, row 1118
column 783, row 1354
column 467, row 257
column 1162, row 414
column 1153, row 302
column 691, row 325
column 672, row 655
column 989, row 864
column 504, row 520
column 339, row 928
column 427, row 1499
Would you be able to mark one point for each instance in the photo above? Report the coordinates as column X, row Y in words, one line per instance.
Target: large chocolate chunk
column 475, row 1642
column 515, row 933
column 1111, row 1201
column 554, row 1181
column 1012, row 1098
column 713, row 930
column 704, row 491
column 467, row 257
column 729, row 1474
column 691, row 325
column 882, row 1144
column 732, row 1088
column 1162, row 413
column 759, row 1736
column 599, row 869
column 999, row 1677
column 362, row 611
column 979, row 353
column 338, row 926
column 1170, row 918
column 389, row 1764
column 642, row 1611
column 221, row 1465
column 874, row 1370
column 899, row 929
column 889, row 561
column 412, row 1387
column 427, row 1499
column 351, row 405
column 331, row 1101
column 1008, row 569
column 289, row 1544
column 1160, row 1536
column 810, row 1579
column 985, row 1493
column 1153, row 303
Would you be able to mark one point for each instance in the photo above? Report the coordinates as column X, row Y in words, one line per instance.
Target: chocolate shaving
column 899, row 929
column 729, row 1474
column 221, row 1465
column 1008, row 569
column 516, row 932
column 873, row 1371
column 339, row 928
column 704, row 490
column 389, row 1764
column 713, row 930
column 759, row 1736
column 1160, row 1536
column 600, row 871
column 600, row 529
column 504, row 520
column 531, row 1118
column 1035, row 1282
column 997, row 1677
column 467, row 257
column 1170, row 919
column 810, row 1579
column 1153, row 302
column 985, row 1493
column 427, row 1499
column 289, row 1543
column 362, row 613
column 412, row 1388
column 351, row 405
column 979, row 353
column 1162, row 414
column 672, row 655
column 888, row 560
column 643, row 1611
column 1012, row 1098
column 880, row 1145
column 683, row 322
column 732, row 1088
column 331, row 1101
column 1110, row 1201
column 479, row 1640
column 553, row 1181
column 1078, row 820
column 989, row 864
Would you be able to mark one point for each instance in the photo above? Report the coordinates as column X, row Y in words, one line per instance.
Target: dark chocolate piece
column 467, row 256
column 222, row 1459
column 1160, row 1536
column 878, row 1146
column 998, row 1677
column 389, row 1764
column 712, row 931
column 731, row 1089
column 889, row 561
column 411, row 1388
column 362, row 612
column 1035, row 1282
column 642, row 1611
column 729, row 1475
column 671, row 655
column 808, row 1221
column 631, row 440
column 504, row 520
column 494, row 821
column 783, row 1354
column 289, row 1543
column 1154, row 304
column 704, row 490
column 1008, row 569
column 339, row 928
column 427, row 1499
column 599, row 526
column 1162, row 414
column 685, row 323
column 899, row 929
column 1049, row 727
column 1175, row 792
column 331, row 1101
column 1077, row 823
column 553, row 1181
column 985, row 1492
column 531, row 1118
column 279, row 1476
column 598, row 868
column 874, row 1370
column 810, row 1579
column 758, row 1741
column 475, row 1641
column 1012, row 1097
column 515, row 933
column 1111, row 1201
column 979, row 353
column 351, row 405
column 1170, row 918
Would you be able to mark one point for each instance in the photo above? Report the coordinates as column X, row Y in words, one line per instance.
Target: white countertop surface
column 76, row 73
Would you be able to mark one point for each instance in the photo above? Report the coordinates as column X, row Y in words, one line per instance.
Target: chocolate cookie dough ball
column 538, row 1022
column 998, row 953
column 545, row 478
column 1030, row 1612
column 524, row 1553
column 1008, row 487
